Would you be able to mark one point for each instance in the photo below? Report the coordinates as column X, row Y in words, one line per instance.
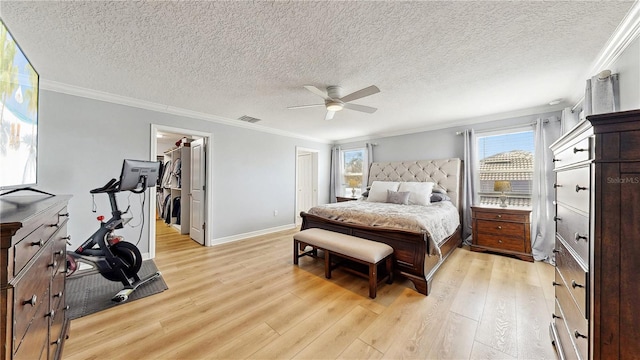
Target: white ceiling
column 435, row 62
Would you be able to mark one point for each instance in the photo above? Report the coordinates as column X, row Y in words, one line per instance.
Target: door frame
column 314, row 176
column 208, row 183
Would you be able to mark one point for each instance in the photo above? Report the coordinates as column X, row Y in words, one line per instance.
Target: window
column 352, row 172
column 506, row 157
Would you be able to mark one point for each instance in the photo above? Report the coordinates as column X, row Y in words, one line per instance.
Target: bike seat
column 110, row 186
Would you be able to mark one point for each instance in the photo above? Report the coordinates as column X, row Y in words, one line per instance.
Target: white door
column 197, row 196
column 305, row 184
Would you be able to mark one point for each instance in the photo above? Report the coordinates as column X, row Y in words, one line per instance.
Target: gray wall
column 83, row 142
column 436, row 144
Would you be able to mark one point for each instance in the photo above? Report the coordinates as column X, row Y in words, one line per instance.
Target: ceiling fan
column 334, row 102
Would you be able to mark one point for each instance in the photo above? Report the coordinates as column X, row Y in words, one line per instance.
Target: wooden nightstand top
column 501, row 210
column 345, row 198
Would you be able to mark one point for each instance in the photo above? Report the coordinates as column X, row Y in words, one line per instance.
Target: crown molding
column 147, row 105
column 626, row 32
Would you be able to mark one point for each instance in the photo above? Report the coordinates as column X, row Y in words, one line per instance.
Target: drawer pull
column 574, row 284
column 555, row 186
column 578, row 335
column 58, row 294
column 554, row 316
column 37, row 243
column 59, row 252
column 499, row 241
column 499, row 227
column 556, row 284
column 52, row 313
column 557, row 218
column 53, row 225
column 66, row 308
column 63, row 215
column 54, row 264
column 499, row 216
column 555, row 251
column 554, row 160
column 579, row 236
column 31, row 301
column 577, row 150
column 578, row 188
column 57, row 342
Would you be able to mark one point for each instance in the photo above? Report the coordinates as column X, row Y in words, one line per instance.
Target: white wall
column 627, row 65
column 436, row 144
column 83, row 142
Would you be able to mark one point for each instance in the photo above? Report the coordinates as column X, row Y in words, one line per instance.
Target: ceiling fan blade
column 317, row 91
column 356, row 107
column 304, row 106
column 329, row 115
column 360, row 93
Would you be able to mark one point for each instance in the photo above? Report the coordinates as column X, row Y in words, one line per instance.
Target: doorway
column 306, row 181
column 189, row 192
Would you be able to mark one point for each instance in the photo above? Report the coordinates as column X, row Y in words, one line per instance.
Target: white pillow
column 378, row 192
column 420, row 192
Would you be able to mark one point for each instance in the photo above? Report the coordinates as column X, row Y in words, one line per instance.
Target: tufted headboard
column 445, row 173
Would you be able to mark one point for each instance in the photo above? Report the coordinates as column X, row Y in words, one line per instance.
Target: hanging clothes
column 175, row 212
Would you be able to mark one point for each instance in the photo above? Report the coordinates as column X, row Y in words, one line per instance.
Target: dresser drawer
column 57, row 290
column 501, row 228
column 25, row 249
column 34, row 342
column 486, row 215
column 576, row 152
column 573, row 228
column 577, row 325
column 575, row 277
column 573, row 188
column 58, row 247
column 30, row 290
column 566, row 343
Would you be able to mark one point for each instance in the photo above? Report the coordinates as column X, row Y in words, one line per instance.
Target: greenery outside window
column 352, row 172
column 506, row 156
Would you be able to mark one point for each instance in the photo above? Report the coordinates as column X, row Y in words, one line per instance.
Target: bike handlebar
column 112, row 185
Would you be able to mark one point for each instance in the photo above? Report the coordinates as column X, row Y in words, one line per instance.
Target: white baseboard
column 237, row 237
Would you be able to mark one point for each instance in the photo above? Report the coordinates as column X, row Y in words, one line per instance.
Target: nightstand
column 502, row 230
column 345, row 198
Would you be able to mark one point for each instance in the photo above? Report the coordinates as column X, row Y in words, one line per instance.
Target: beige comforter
column 437, row 220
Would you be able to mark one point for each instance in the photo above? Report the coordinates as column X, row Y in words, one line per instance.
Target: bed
column 417, row 254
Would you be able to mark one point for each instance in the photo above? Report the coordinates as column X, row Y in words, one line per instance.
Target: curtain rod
column 533, row 123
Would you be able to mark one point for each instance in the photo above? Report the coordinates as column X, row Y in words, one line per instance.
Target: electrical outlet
column 275, row 212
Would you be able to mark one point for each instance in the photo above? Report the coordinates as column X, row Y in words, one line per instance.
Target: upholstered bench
column 363, row 251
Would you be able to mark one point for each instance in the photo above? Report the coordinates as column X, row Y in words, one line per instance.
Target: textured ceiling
column 434, row 62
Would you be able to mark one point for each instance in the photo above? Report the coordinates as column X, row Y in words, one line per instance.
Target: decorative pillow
column 438, row 190
column 378, row 192
column 398, row 197
column 437, row 197
column 420, row 192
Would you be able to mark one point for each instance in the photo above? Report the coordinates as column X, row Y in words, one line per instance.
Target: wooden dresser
column 502, row 230
column 33, row 239
column 597, row 249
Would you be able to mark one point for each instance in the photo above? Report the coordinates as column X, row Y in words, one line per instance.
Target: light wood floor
column 246, row 300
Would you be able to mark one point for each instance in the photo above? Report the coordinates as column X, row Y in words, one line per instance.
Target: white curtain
column 569, row 120
column 335, row 181
column 368, row 159
column 602, row 94
column 470, row 183
column 542, row 194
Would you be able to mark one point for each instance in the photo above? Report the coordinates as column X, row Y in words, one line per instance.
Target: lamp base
column 503, row 201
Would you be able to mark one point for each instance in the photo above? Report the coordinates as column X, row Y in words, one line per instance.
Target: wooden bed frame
column 411, row 250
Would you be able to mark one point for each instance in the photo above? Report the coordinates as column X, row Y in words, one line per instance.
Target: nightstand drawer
column 573, row 188
column 501, row 242
column 501, row 217
column 501, row 228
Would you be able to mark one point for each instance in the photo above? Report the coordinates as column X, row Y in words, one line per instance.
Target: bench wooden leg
column 373, row 280
column 327, row 264
column 295, row 251
column 390, row 269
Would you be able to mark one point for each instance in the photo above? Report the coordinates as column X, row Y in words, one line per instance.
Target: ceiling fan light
column 335, row 106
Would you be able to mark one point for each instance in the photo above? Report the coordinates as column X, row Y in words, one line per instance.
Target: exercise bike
column 108, row 253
